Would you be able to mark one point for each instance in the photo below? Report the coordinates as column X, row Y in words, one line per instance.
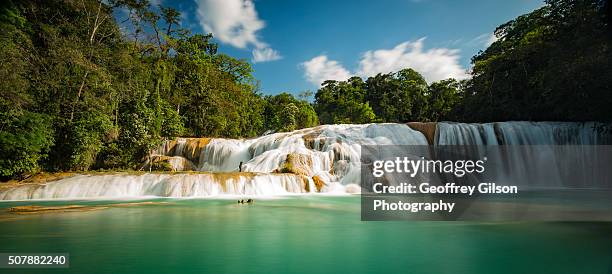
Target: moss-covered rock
column 299, row 164
column 168, row 163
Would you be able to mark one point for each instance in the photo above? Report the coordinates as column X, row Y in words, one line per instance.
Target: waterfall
column 537, row 154
column 321, row 159
column 160, row 185
column 553, row 133
column 466, row 134
column 523, row 133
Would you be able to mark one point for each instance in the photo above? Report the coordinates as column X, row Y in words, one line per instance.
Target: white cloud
column 485, row 39
column 492, row 39
column 434, row 64
column 232, row 21
column 235, row 22
column 319, row 69
column 265, row 55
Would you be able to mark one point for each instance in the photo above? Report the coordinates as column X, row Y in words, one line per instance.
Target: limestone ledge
column 35, row 209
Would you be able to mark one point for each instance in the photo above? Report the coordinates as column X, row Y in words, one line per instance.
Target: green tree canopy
column 550, row 64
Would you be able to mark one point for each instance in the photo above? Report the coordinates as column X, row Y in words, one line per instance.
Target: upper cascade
column 328, row 153
column 523, row 133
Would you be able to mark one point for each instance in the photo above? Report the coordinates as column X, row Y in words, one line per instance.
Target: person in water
column 240, row 167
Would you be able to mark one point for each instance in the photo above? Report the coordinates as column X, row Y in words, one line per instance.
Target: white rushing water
column 329, row 154
column 332, row 151
column 320, row 159
column 160, row 185
column 539, row 154
column 522, row 133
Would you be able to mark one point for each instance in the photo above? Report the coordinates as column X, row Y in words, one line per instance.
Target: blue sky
column 293, row 45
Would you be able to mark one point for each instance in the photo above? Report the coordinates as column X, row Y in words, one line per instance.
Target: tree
column 78, row 93
column 283, row 112
column 24, row 141
column 550, row 64
column 393, row 97
column 442, row 97
column 397, row 97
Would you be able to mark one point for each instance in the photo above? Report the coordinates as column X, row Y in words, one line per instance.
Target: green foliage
column 221, row 91
column 77, row 93
column 343, row 102
column 25, row 136
column 550, row 64
column 283, row 112
column 87, row 137
column 288, row 119
column 24, row 140
column 442, row 97
column 395, row 97
column 161, row 166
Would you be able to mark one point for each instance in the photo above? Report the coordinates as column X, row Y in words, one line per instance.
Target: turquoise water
column 310, row 234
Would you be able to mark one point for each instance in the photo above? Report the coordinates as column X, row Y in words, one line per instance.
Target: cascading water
column 553, row 133
column 466, row 134
column 536, row 153
column 324, row 159
column 161, row 185
column 523, row 133
column 320, row 159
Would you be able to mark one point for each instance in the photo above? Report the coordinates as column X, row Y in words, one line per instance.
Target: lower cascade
column 320, row 159
column 165, row 185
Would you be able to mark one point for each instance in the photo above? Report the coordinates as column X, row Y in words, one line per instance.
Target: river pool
column 304, row 234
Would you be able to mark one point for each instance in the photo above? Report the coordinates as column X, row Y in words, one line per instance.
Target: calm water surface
column 310, row 234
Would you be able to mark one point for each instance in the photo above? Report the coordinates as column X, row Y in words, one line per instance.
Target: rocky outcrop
column 191, row 148
column 428, row 129
column 313, row 141
column 318, row 182
column 299, row 164
column 180, row 154
column 168, row 163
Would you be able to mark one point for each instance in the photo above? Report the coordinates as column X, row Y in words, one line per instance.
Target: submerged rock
column 32, row 209
column 35, row 209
